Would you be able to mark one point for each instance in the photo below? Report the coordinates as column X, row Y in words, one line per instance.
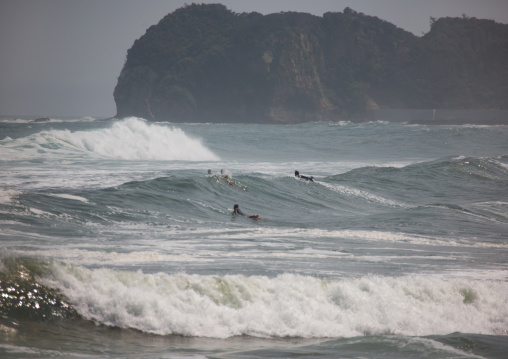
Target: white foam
column 287, row 305
column 93, row 257
column 353, row 192
column 315, row 233
column 266, row 235
column 71, row 197
column 7, row 195
column 135, row 139
column 40, row 213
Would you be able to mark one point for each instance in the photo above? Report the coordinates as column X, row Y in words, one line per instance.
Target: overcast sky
column 63, row 57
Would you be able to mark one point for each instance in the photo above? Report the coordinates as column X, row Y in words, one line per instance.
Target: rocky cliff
column 204, row 63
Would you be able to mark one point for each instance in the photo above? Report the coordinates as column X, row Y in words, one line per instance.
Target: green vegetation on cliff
column 204, row 63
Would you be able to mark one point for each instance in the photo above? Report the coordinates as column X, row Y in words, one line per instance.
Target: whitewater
column 117, row 239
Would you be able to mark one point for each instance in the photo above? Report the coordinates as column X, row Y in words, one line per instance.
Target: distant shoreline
column 404, row 116
column 442, row 116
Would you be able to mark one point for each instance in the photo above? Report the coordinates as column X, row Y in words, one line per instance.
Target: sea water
column 116, row 241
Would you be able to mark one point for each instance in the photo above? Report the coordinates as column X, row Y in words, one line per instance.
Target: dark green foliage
column 206, row 63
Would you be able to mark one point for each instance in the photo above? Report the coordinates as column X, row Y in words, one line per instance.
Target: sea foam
column 7, row 195
column 288, row 305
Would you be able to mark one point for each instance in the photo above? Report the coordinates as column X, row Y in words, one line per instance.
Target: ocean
column 117, row 242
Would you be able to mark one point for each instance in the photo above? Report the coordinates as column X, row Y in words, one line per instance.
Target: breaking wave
column 287, row 305
column 128, row 139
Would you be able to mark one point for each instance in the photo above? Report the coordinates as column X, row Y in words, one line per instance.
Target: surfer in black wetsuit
column 238, row 211
column 297, row 174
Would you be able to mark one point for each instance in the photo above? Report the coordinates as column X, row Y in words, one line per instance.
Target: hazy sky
column 63, row 57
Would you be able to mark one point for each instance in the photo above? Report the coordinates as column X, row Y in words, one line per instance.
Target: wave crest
column 135, row 139
column 288, row 305
column 128, row 139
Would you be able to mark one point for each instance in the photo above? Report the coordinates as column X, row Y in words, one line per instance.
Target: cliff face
column 204, row 63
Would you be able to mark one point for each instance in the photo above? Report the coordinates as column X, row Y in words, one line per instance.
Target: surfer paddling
column 297, row 174
column 238, row 211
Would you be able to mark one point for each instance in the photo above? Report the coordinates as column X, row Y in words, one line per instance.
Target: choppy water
column 115, row 242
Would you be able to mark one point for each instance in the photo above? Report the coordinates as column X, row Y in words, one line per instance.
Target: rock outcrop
column 204, row 63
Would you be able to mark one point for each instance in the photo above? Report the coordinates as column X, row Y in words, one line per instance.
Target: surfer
column 297, row 174
column 238, row 211
column 226, row 177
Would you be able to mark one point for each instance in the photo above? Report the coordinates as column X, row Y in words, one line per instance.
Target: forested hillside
column 204, row 63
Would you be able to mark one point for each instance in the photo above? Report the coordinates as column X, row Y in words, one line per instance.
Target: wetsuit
column 236, row 210
column 297, row 174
